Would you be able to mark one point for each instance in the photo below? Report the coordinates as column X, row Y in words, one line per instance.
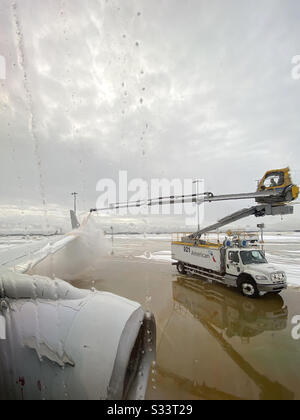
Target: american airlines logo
column 212, row 256
column 2, row 68
column 200, row 254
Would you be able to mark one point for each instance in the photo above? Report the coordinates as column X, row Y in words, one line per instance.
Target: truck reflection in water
column 229, row 365
column 224, row 309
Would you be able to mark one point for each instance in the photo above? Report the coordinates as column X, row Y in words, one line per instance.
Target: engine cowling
column 66, row 343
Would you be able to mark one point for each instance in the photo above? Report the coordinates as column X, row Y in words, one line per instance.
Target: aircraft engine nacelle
column 60, row 342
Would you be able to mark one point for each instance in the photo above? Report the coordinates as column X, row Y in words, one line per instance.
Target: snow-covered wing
column 43, row 253
column 23, row 257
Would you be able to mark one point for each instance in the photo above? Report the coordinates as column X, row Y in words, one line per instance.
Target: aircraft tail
column 74, row 221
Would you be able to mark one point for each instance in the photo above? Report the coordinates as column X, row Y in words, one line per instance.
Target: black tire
column 248, row 288
column 180, row 268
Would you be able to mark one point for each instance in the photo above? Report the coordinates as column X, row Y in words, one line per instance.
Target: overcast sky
column 160, row 88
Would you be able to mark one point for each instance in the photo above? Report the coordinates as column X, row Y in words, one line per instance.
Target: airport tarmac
column 212, row 343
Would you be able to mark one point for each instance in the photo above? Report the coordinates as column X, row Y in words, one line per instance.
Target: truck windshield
column 253, row 257
column 274, row 179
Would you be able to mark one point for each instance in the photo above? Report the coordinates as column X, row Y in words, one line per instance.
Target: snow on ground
column 141, row 236
column 164, row 256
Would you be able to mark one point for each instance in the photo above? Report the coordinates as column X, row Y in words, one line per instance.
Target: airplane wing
column 23, row 257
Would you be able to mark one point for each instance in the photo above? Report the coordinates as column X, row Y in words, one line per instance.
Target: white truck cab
column 250, row 268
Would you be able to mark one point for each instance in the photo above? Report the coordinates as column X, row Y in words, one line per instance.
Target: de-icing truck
column 235, row 263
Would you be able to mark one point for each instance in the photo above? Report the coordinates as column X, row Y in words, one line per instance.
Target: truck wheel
column 180, row 268
column 249, row 288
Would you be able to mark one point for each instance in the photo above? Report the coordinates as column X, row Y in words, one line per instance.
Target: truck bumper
column 272, row 287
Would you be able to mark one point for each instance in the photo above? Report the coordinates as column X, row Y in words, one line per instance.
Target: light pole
column 196, row 181
column 112, row 235
column 112, row 240
column 261, row 227
column 75, row 201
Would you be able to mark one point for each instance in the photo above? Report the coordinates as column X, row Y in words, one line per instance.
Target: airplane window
column 150, row 113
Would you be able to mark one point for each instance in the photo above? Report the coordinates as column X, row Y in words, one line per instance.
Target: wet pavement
column 212, row 343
